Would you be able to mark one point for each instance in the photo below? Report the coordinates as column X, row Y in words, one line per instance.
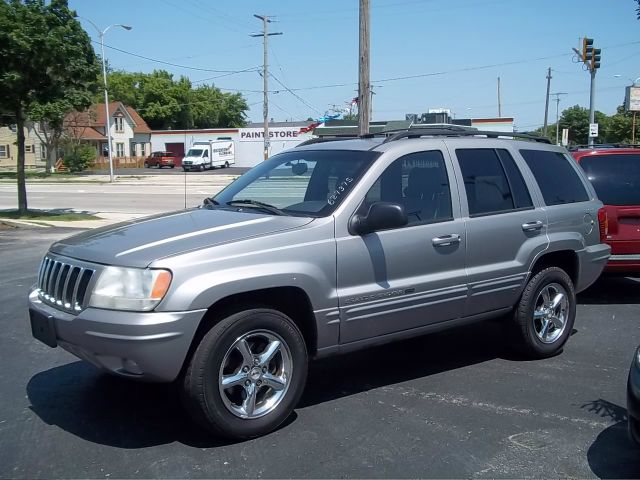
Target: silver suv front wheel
column 247, row 374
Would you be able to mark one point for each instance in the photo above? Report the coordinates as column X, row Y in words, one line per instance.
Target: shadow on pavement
column 112, row 411
column 397, row 362
column 611, row 289
column 613, row 454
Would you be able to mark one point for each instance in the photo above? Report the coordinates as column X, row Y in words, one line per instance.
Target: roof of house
column 95, row 117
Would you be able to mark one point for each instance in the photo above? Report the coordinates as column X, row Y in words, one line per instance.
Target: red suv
column 160, row 159
column 615, row 174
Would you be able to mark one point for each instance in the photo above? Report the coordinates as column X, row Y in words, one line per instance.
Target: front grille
column 63, row 285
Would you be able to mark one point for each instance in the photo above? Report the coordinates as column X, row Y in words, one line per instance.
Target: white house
column 130, row 134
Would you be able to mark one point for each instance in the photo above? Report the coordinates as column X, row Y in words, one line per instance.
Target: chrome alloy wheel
column 550, row 313
column 255, row 373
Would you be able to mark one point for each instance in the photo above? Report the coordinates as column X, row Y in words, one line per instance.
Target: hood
column 139, row 242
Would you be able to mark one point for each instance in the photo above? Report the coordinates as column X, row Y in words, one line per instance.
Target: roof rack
column 335, row 138
column 458, row 132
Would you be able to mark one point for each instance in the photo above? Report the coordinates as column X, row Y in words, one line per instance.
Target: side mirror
column 381, row 216
column 299, row 168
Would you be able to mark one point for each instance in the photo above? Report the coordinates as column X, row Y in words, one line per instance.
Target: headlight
column 120, row 288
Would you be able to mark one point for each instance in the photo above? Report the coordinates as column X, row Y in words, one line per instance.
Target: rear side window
column 556, row 177
column 616, row 178
column 486, row 183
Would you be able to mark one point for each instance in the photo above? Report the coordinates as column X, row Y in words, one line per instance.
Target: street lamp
column 102, row 33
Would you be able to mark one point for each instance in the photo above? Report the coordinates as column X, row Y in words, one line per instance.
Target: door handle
column 531, row 226
column 445, row 240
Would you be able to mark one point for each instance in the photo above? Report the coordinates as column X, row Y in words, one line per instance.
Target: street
column 454, row 404
column 132, row 198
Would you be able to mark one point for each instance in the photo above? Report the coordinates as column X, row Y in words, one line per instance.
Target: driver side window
column 419, row 182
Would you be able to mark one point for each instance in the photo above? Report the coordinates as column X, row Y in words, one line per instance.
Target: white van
column 204, row 155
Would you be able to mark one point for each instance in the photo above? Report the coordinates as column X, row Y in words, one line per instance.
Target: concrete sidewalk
column 167, row 180
column 104, row 219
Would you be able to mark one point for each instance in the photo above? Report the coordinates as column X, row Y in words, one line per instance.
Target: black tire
column 146, row 165
column 202, row 168
column 524, row 333
column 184, row 169
column 226, row 165
column 201, row 395
column 171, row 166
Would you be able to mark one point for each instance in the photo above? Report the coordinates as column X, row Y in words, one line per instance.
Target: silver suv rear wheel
column 550, row 312
column 543, row 319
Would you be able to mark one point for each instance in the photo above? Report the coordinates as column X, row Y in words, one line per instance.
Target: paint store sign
column 255, row 134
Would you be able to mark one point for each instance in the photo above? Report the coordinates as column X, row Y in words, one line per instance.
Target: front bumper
column 148, row 346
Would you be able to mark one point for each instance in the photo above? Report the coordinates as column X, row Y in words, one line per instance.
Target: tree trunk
column 22, row 188
column 52, row 153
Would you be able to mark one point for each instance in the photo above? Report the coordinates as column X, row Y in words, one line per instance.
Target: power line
column 175, row 64
column 302, row 100
column 459, row 70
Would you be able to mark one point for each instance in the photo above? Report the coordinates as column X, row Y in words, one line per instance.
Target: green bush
column 78, row 157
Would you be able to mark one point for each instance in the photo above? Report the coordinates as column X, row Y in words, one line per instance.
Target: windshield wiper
column 256, row 204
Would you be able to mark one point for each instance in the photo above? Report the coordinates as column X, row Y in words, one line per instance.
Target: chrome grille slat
column 45, row 274
column 56, row 287
column 74, row 296
column 41, row 272
column 64, row 285
column 52, row 278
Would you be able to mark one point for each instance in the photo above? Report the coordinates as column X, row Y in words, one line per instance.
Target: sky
column 425, row 54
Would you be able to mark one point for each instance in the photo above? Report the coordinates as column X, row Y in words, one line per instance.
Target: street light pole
column 557, row 95
column 101, row 34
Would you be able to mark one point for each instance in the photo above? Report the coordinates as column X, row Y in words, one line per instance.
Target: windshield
column 193, row 152
column 310, row 183
column 615, row 177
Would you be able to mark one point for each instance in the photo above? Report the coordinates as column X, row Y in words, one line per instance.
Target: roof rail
column 459, row 132
column 335, row 138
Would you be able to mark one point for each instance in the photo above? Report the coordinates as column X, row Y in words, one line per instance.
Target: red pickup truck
column 160, row 159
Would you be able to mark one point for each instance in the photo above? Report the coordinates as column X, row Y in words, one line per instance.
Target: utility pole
column 266, row 20
column 546, row 103
column 499, row 100
column 590, row 57
column 557, row 95
column 364, row 83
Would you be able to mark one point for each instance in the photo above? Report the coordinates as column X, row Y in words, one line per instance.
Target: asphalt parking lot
column 454, row 404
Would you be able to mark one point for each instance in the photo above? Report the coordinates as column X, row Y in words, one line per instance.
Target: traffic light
column 595, row 59
column 587, row 49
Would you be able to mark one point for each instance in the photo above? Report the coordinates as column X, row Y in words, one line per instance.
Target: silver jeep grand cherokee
column 327, row 248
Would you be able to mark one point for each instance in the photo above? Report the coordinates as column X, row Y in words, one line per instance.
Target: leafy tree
column 77, row 157
column 44, row 54
column 638, row 8
column 165, row 103
column 620, row 126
